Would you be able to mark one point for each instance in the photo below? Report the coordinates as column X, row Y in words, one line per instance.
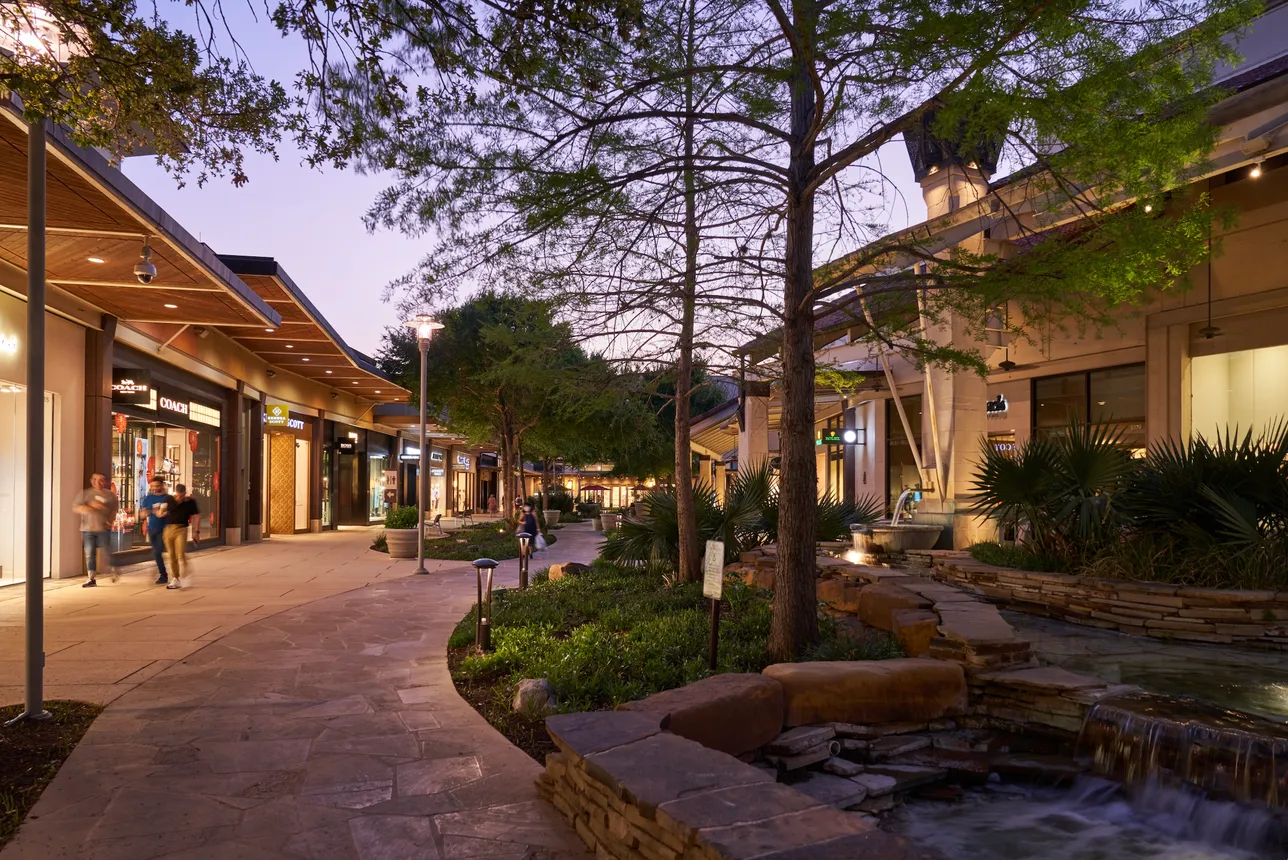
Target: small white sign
column 713, row 570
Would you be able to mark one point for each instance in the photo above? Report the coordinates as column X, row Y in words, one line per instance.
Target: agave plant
column 1231, row 490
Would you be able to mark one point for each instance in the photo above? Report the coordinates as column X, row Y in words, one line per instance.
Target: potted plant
column 400, row 531
column 552, row 516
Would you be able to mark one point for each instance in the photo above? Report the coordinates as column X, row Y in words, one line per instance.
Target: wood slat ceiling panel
column 280, row 352
column 273, row 343
column 149, row 304
column 67, row 259
column 267, row 288
column 303, row 331
column 291, row 313
column 72, row 201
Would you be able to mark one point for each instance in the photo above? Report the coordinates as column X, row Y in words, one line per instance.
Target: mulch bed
column 492, row 700
column 31, row 753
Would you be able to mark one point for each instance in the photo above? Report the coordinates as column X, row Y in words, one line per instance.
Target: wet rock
column 942, row 793
column 534, row 697
column 799, row 740
column 877, row 805
column 884, row 748
column 853, row 730
column 732, row 713
column 877, row 785
column 832, row 790
column 1046, row 769
column 802, row 760
column 878, row 604
column 842, row 767
column 907, row 776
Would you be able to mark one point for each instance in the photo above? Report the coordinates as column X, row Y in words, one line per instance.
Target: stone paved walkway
column 329, row 731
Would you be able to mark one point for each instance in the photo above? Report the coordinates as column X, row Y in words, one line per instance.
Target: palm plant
column 1056, row 493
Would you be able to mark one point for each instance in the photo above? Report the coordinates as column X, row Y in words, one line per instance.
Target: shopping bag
column 541, row 543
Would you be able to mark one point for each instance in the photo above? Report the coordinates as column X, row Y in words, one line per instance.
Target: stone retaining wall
column 632, row 790
column 1249, row 618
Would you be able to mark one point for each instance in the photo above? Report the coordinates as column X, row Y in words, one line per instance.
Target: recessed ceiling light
column 355, row 382
column 328, row 371
column 96, row 259
column 290, row 346
column 172, row 307
column 269, row 330
column 377, row 390
column 306, row 358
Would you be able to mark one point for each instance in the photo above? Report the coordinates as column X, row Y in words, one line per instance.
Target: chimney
column 951, row 173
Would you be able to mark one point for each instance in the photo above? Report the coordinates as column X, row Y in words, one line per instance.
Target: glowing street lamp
column 525, row 540
column 425, row 326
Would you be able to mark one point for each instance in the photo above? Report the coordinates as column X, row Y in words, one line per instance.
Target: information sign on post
column 713, row 587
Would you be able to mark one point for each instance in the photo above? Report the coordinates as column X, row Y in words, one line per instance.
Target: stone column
column 232, row 496
column 98, row 399
column 255, row 471
column 753, row 425
column 1167, row 384
column 315, row 477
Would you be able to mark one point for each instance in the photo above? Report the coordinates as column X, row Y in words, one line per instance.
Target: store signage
column 462, row 460
column 436, row 456
column 173, row 405
column 131, row 386
column 346, row 446
column 437, row 473
column 837, row 436
column 488, row 460
column 9, row 344
column 279, row 415
column 996, row 406
column 410, row 452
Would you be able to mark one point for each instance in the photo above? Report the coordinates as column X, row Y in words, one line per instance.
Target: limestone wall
column 1250, row 618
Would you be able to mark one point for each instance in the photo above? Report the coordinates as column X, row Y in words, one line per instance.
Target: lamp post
column 525, row 540
column 425, row 326
column 32, row 35
column 484, row 568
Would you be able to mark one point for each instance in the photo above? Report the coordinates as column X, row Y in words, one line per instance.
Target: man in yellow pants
column 184, row 510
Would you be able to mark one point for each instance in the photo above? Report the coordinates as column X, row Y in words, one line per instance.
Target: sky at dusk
column 310, row 220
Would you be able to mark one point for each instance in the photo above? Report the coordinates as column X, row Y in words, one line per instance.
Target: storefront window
column 13, row 481
column 326, row 489
column 1111, row 396
column 143, row 449
column 902, row 465
column 377, row 504
column 1245, row 390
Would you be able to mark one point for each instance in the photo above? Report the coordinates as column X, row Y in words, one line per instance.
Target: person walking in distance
column 528, row 523
column 156, row 506
column 97, row 507
column 183, row 510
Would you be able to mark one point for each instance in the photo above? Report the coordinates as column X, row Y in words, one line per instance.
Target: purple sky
column 311, row 220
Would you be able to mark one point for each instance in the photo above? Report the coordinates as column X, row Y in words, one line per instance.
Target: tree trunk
column 545, row 483
column 503, row 485
column 522, row 495
column 794, row 626
column 686, row 513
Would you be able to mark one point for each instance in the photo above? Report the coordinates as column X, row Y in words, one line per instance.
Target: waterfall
column 1144, row 738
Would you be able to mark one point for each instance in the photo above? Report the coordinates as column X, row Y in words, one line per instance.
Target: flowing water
column 1093, row 820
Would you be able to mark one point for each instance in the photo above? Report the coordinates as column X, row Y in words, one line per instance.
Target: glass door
column 13, row 482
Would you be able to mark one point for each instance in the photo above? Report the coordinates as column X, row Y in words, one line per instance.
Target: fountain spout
column 899, row 505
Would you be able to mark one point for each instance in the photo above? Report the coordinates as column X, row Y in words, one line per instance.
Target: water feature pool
column 1094, row 820
column 1245, row 680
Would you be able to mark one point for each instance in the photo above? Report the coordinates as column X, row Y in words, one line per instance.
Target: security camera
column 335, row 395
column 144, row 270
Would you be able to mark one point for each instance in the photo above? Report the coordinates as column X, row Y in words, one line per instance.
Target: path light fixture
column 424, row 326
column 484, row 568
column 525, row 540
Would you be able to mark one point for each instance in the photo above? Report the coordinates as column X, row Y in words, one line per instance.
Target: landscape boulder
column 871, row 691
column 914, row 628
column 568, row 568
column 840, row 595
column 733, row 713
column 534, row 697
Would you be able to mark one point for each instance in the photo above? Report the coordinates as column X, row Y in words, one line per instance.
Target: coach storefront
column 164, row 425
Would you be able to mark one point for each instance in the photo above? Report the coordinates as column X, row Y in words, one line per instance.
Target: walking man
column 183, row 510
column 97, row 507
column 156, row 505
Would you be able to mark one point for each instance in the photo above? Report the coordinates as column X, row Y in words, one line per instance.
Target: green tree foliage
column 119, row 78
column 1103, row 99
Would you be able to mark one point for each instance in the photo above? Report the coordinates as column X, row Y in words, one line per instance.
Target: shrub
column 1018, row 557
column 403, row 517
column 748, row 518
column 616, row 634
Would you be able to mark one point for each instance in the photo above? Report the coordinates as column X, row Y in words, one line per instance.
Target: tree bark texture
column 686, row 514
column 794, row 626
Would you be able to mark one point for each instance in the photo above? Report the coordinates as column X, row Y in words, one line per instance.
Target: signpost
column 713, row 587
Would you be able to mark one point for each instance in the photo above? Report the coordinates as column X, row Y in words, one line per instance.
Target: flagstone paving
column 330, row 730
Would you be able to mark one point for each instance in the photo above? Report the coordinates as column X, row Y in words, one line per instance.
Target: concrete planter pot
column 402, row 542
column 611, row 522
column 597, row 523
column 552, row 518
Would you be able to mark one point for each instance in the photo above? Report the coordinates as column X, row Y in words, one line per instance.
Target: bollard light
column 525, row 540
column 483, row 616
